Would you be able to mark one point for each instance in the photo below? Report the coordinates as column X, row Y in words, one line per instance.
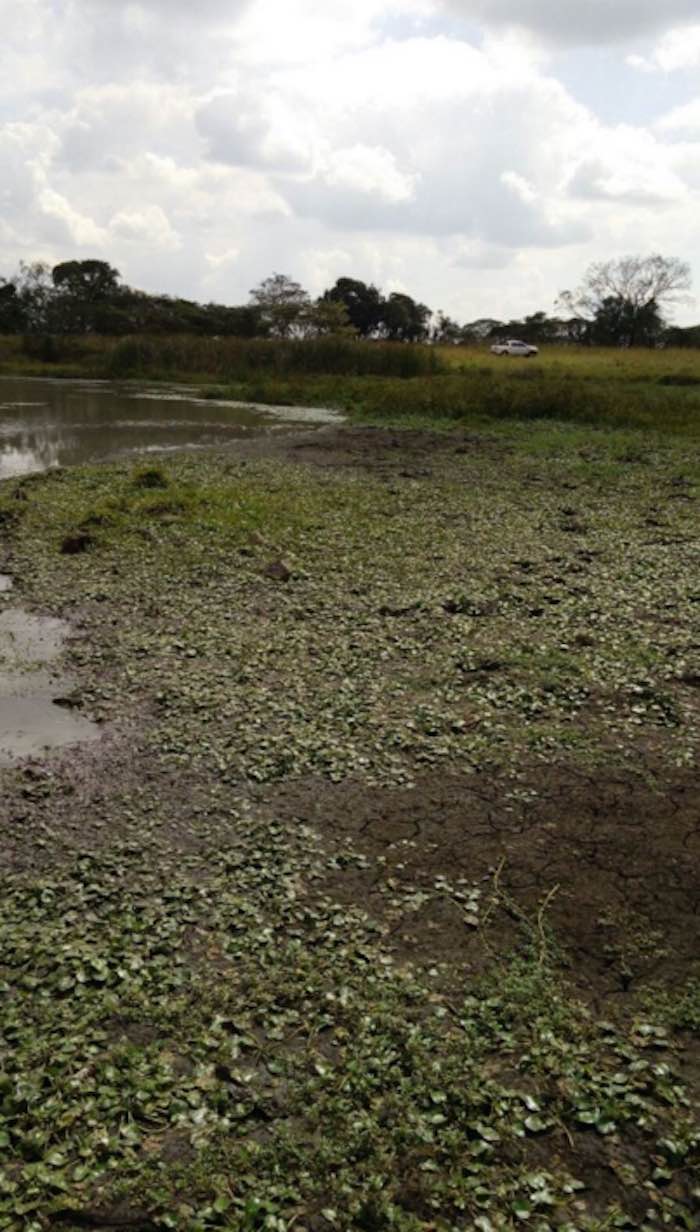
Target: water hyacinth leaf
column 521, row 1209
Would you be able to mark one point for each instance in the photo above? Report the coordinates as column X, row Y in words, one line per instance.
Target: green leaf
column 522, row 1209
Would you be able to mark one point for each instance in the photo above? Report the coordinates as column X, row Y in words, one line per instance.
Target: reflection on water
column 44, row 423
column 38, row 451
column 33, row 716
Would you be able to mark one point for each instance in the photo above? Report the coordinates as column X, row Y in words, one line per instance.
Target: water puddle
column 45, row 424
column 35, row 711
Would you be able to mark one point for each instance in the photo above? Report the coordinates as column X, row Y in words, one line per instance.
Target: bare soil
column 622, row 855
column 406, row 454
column 599, row 865
column 615, row 856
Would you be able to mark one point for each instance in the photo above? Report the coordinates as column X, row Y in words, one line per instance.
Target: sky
column 477, row 154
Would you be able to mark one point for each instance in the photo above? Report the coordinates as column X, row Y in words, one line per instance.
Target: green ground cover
column 222, row 1010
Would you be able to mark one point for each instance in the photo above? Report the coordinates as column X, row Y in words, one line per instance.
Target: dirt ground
column 615, row 855
column 620, row 858
column 594, row 866
column 405, row 454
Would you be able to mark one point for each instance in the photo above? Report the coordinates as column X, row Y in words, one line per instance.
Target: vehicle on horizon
column 514, row 347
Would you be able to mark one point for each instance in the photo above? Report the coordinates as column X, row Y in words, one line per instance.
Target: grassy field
column 376, row 907
column 587, row 363
column 652, row 390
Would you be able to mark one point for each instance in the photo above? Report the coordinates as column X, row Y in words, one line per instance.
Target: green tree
column 403, row 319
column 282, row 306
column 538, row 327
column 482, row 329
column 35, row 291
column 82, row 290
column 239, row 321
column 12, row 320
column 445, row 331
column 618, row 322
column 328, row 317
column 683, row 336
column 364, row 304
column 90, row 281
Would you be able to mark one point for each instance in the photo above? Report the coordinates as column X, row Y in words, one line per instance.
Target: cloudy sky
column 478, row 154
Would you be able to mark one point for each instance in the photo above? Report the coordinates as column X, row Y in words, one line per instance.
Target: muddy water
column 34, row 717
column 45, row 423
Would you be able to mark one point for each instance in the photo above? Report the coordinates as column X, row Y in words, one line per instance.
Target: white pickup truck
column 514, row 347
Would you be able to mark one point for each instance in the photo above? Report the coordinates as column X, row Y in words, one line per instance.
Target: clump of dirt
column 150, row 477
column 76, row 543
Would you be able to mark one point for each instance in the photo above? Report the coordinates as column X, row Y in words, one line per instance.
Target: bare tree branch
column 634, row 280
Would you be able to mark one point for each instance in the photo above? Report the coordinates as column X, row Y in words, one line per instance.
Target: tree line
column 619, row 303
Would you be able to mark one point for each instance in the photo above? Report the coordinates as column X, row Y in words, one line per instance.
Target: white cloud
column 31, row 207
column 442, row 139
column 474, row 255
column 580, row 21
column 628, row 165
column 677, row 50
column 74, row 227
column 94, row 42
column 522, row 188
column 149, row 224
column 685, row 119
column 26, row 151
column 247, row 128
column 109, row 123
column 217, row 11
column 140, row 16
column 422, row 144
column 219, row 259
column 306, row 32
column 371, row 170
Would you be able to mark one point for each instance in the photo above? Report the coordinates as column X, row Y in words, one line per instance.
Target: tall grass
column 52, row 355
column 238, row 359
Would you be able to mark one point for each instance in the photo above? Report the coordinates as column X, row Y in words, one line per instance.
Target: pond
column 50, row 423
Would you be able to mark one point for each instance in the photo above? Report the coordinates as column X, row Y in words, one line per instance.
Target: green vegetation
column 229, row 359
column 240, row 359
column 391, row 382
column 375, row 910
column 311, row 1084
column 619, row 304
